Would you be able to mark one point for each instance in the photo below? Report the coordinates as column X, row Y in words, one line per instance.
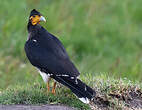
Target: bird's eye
column 33, row 15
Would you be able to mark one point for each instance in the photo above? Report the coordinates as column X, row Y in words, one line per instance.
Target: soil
column 131, row 98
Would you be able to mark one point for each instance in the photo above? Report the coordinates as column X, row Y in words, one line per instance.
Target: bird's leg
column 54, row 87
column 48, row 84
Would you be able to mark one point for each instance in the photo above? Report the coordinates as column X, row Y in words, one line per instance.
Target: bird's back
column 44, row 50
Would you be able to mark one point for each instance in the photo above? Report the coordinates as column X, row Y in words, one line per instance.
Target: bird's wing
column 49, row 55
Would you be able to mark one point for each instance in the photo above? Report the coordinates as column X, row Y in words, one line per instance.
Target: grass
column 36, row 93
column 102, row 38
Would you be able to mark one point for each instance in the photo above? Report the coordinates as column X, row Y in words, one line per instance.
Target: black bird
column 49, row 56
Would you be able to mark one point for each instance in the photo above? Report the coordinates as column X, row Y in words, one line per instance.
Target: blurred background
column 102, row 37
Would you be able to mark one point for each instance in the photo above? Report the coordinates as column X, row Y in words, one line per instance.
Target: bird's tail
column 80, row 89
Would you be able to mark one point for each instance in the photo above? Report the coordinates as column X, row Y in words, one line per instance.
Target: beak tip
column 42, row 19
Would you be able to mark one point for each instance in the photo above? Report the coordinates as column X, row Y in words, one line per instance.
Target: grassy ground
column 111, row 94
column 102, row 37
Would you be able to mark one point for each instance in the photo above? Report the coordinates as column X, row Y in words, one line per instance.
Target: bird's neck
column 33, row 29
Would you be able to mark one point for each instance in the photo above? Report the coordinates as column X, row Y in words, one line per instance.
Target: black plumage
column 47, row 53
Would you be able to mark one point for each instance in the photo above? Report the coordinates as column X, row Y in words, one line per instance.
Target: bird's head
column 36, row 17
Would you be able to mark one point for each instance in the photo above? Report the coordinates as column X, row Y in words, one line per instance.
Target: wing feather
column 49, row 54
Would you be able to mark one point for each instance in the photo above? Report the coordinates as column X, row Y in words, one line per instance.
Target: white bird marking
column 62, row 75
column 84, row 100
column 34, row 40
column 85, row 88
column 76, row 81
column 50, row 74
column 28, row 36
column 72, row 77
column 44, row 76
column 65, row 75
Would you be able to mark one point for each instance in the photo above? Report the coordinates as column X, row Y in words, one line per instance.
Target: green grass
column 107, row 34
column 102, row 37
column 36, row 93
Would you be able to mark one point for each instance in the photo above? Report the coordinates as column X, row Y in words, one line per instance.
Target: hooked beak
column 42, row 19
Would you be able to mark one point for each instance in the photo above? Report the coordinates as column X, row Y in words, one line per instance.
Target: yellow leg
column 54, row 87
column 48, row 85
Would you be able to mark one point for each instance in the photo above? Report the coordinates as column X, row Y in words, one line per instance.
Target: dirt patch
column 131, row 96
column 128, row 98
column 32, row 107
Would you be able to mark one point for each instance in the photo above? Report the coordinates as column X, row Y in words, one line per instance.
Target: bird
column 46, row 52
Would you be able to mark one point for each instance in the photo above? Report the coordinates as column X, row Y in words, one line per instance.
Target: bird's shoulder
column 48, row 42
